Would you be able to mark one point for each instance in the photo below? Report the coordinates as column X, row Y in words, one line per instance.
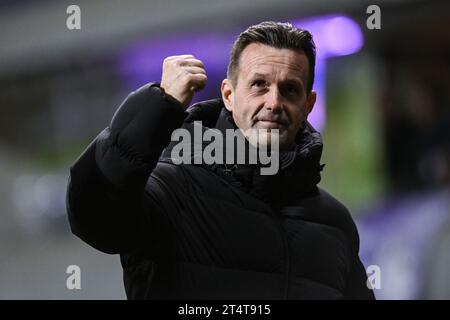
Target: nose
column 274, row 100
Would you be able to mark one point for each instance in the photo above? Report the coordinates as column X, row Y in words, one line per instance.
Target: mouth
column 270, row 124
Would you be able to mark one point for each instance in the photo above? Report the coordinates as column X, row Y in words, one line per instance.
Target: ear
column 310, row 101
column 227, row 94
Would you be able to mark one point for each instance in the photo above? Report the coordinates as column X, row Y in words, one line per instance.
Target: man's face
column 270, row 92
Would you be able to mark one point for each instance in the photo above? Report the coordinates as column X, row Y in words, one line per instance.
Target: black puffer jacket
column 210, row 231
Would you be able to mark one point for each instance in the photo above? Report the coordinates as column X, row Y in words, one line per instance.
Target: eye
column 291, row 89
column 259, row 83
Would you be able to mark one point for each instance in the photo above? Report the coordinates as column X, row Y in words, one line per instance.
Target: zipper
column 229, row 170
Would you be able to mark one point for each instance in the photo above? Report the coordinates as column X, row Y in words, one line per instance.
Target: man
column 220, row 231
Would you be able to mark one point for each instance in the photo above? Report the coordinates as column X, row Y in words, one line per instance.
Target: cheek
column 238, row 112
column 296, row 113
column 245, row 108
column 296, row 117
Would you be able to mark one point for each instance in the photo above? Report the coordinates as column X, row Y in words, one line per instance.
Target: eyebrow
column 264, row 75
column 258, row 75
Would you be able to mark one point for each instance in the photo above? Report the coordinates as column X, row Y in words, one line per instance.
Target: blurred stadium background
column 384, row 114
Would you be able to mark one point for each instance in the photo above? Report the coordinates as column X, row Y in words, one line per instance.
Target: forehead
column 260, row 58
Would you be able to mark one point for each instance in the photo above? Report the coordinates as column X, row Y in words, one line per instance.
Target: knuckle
column 168, row 59
column 167, row 64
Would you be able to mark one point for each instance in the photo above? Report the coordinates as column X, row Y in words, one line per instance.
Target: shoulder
column 178, row 179
column 167, row 174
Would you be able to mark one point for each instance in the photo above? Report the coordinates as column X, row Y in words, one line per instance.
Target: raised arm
column 105, row 200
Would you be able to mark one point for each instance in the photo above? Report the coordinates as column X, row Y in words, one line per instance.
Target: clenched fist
column 181, row 76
